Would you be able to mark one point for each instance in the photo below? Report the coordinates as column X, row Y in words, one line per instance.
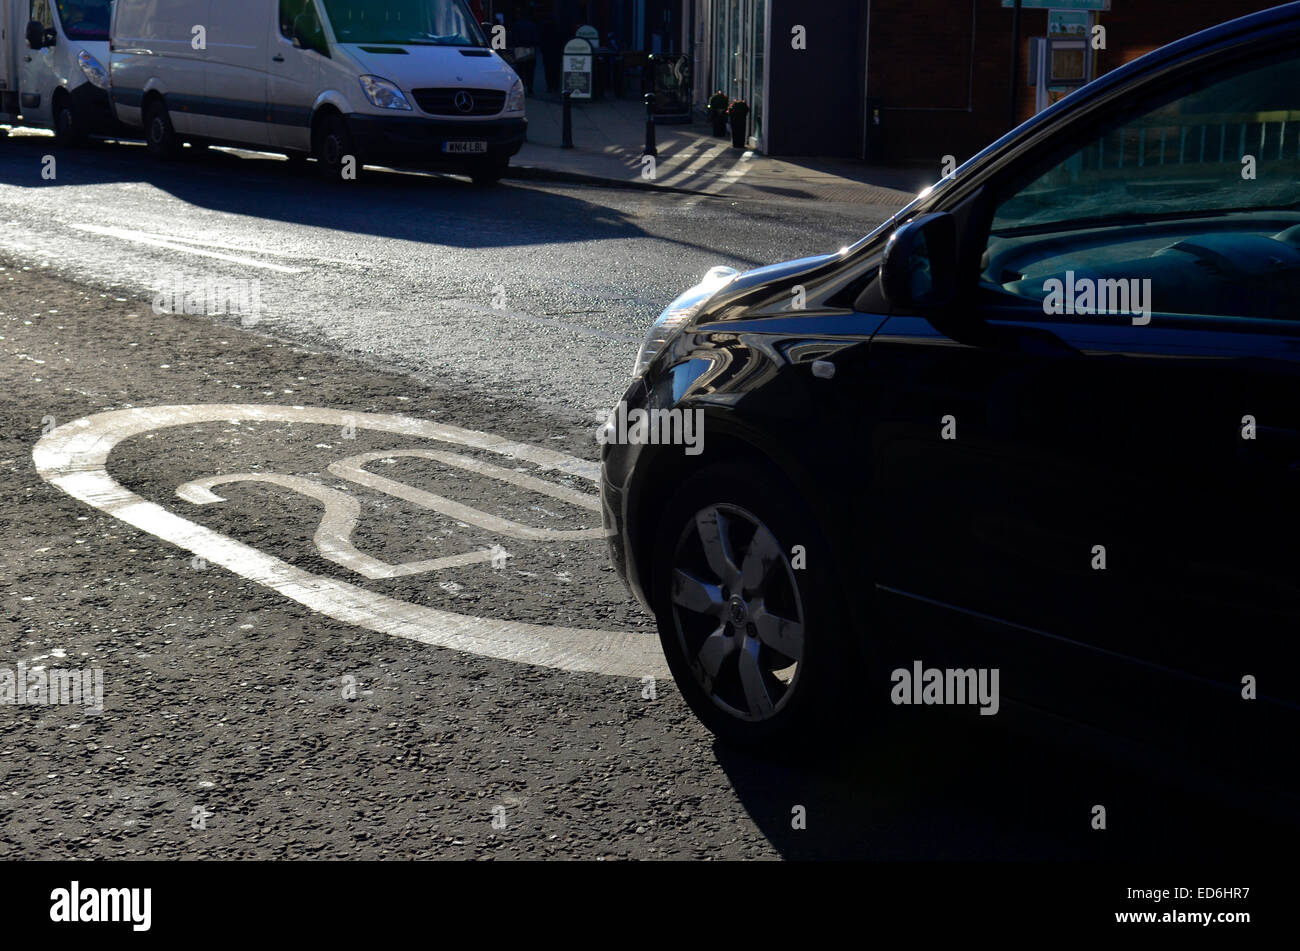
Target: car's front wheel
column 750, row 626
column 67, row 125
column 336, row 154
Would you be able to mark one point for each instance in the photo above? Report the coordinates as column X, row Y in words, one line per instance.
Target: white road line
column 333, row 538
column 74, row 458
column 352, row 470
column 177, row 244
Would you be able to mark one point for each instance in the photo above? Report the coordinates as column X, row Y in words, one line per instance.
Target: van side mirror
column 36, row 35
column 919, row 269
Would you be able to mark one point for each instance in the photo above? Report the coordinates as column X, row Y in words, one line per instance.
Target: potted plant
column 718, row 104
column 739, row 113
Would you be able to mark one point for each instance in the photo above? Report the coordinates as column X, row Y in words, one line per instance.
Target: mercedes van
column 351, row 82
column 54, row 67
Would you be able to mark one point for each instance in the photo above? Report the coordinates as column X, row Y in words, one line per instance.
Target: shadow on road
column 941, row 786
column 402, row 205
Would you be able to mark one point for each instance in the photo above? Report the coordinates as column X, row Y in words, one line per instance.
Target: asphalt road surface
column 339, row 562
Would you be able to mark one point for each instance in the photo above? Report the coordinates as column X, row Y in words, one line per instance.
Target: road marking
column 74, row 458
column 333, row 538
column 178, row 244
column 352, row 470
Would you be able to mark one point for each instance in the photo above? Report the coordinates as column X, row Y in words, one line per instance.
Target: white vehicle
column 390, row 82
column 54, row 67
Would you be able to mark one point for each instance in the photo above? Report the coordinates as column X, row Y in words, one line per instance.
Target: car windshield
column 406, row 22
column 85, row 19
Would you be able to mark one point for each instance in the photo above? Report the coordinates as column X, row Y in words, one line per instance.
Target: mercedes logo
column 464, row 101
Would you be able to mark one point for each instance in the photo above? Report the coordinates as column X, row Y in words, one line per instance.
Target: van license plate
column 463, row 148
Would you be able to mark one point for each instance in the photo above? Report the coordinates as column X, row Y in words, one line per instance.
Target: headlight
column 515, row 101
column 384, row 94
column 679, row 313
column 95, row 72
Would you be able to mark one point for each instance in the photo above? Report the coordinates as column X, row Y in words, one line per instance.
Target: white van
column 389, row 82
column 54, row 67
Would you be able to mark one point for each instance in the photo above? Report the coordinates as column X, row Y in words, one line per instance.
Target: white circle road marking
column 74, row 457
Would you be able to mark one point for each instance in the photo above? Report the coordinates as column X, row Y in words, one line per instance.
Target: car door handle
column 277, row 58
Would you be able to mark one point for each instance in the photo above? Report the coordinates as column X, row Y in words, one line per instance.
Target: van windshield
column 85, row 19
column 405, row 22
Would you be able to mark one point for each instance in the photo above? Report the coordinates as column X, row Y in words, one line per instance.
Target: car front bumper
column 618, row 467
column 418, row 142
column 94, row 112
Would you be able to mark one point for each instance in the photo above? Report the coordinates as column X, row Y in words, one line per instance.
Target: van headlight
column 679, row 313
column 515, row 100
column 383, row 93
column 96, row 74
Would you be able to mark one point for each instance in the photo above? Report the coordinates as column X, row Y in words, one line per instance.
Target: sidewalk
column 609, row 138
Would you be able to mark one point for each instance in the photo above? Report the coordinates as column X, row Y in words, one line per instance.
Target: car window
column 290, row 10
column 85, row 19
column 42, row 13
column 1188, row 204
column 408, row 22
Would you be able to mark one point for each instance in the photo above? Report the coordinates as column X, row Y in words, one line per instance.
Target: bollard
column 566, row 140
column 650, row 125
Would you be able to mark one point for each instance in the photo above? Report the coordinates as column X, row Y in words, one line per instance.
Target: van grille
column 442, row 102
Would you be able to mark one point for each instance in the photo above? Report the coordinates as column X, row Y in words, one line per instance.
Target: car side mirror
column 35, row 35
column 919, row 269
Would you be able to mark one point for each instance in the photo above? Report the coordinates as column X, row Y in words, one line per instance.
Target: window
column 1192, row 199
column 406, row 22
column 42, row 13
column 290, row 10
column 85, row 19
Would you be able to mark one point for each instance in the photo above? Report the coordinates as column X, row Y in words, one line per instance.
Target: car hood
column 777, row 272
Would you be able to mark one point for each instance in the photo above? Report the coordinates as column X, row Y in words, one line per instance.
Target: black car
column 1042, row 425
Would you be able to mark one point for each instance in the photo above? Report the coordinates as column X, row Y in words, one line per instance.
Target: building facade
column 652, row 26
column 910, row 81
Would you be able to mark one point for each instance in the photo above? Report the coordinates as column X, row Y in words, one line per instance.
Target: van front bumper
column 419, row 142
column 95, row 113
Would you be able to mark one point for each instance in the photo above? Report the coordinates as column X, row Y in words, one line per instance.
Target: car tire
column 333, row 145
column 67, row 126
column 720, row 633
column 160, row 136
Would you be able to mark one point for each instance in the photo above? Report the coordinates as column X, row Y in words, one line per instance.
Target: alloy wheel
column 738, row 613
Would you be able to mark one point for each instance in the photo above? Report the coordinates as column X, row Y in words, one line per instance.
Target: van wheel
column 757, row 642
column 489, row 173
column 159, row 134
column 67, row 127
column 335, row 152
